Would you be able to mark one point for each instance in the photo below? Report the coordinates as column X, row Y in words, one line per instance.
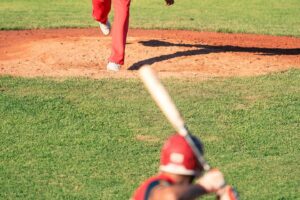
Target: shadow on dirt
column 206, row 49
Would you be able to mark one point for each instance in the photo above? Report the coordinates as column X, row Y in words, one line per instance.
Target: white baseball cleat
column 105, row 28
column 111, row 66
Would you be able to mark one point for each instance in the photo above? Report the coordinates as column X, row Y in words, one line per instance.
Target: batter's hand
column 212, row 181
column 169, row 2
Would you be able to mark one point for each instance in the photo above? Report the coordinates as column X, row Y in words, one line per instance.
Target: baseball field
column 71, row 130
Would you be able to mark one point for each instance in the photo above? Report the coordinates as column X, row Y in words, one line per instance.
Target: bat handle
column 206, row 166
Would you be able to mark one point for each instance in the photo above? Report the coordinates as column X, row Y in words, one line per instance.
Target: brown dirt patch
column 147, row 138
column 84, row 52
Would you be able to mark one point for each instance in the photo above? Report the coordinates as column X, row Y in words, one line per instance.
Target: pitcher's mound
column 84, row 52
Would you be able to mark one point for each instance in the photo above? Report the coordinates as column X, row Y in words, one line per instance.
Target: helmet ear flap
column 200, row 147
column 198, row 144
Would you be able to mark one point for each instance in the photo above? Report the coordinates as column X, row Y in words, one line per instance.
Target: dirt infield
column 84, row 52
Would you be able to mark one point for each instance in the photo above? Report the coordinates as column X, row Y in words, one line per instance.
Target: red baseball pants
column 101, row 9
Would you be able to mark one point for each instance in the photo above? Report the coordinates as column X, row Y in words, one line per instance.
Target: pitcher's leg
column 119, row 30
column 101, row 9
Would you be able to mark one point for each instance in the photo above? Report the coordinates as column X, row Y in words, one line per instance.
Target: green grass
column 77, row 138
column 275, row 17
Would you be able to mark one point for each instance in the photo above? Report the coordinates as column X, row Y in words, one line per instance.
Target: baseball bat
column 162, row 98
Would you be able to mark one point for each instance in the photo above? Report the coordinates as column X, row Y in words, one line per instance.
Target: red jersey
column 144, row 190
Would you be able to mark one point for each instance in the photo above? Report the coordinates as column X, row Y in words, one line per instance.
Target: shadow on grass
column 206, row 49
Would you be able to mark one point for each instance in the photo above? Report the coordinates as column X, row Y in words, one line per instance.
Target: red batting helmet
column 177, row 157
